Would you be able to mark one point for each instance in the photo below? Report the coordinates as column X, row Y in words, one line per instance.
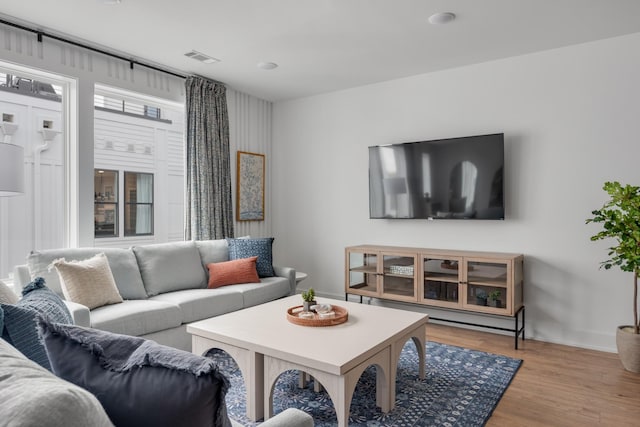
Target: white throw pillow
column 88, row 282
column 7, row 296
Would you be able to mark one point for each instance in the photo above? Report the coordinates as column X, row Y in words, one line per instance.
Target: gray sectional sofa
column 164, row 287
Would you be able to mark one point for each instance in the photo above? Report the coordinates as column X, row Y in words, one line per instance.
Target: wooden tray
column 342, row 315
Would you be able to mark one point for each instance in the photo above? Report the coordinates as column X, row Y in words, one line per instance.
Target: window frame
column 116, row 192
column 126, row 203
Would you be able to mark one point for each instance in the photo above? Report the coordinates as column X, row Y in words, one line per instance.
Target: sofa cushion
column 137, row 381
column 213, row 251
column 261, row 247
column 199, row 304
column 32, row 396
column 88, row 282
column 269, row 289
column 233, row 272
column 20, row 319
column 136, row 317
column 167, row 267
column 122, row 262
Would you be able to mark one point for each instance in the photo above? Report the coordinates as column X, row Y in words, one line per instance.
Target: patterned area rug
column 462, row 388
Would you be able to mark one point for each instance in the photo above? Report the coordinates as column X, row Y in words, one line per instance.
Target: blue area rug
column 462, row 388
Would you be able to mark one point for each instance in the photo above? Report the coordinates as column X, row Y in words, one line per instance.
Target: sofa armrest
column 288, row 273
column 290, row 417
column 80, row 313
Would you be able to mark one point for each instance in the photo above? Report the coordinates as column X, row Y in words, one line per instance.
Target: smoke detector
column 442, row 18
column 199, row 56
column 267, row 65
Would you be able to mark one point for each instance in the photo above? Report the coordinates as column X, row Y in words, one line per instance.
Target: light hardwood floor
column 556, row 385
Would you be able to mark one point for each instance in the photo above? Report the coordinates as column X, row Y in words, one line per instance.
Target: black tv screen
column 456, row 178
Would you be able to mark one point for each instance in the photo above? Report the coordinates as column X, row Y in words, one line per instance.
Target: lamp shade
column 11, row 170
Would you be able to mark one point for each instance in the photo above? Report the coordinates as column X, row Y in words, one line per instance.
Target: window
column 138, row 204
column 105, row 205
column 145, row 145
column 39, row 109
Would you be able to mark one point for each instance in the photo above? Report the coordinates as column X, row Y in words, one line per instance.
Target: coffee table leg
column 418, row 336
column 251, row 366
column 339, row 387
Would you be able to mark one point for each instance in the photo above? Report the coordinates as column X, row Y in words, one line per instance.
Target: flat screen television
column 456, row 178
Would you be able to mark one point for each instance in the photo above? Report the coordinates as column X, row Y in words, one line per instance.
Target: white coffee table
column 265, row 344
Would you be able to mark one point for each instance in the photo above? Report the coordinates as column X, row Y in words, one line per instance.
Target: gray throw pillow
column 20, row 320
column 137, row 381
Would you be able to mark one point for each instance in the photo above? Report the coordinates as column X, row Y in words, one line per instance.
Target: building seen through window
column 105, row 209
column 137, row 209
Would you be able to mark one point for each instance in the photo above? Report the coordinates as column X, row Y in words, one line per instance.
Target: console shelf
column 459, row 280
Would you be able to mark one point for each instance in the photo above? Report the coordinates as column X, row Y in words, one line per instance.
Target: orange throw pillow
column 233, row 272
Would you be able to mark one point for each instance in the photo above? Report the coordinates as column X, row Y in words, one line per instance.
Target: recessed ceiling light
column 267, row 65
column 442, row 18
column 199, row 56
column 111, row 1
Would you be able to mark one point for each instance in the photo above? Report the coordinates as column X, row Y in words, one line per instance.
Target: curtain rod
column 131, row 61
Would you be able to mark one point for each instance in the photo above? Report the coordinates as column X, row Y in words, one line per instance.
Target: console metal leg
column 516, row 331
column 523, row 323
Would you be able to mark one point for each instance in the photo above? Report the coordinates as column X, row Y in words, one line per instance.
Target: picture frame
column 250, row 179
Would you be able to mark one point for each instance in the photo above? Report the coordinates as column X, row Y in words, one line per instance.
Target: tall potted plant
column 620, row 219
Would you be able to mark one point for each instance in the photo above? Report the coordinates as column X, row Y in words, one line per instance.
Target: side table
column 300, row 276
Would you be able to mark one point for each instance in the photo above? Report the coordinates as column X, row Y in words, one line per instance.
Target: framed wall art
column 250, row 186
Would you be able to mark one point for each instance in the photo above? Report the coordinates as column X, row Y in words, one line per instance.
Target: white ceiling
column 326, row 45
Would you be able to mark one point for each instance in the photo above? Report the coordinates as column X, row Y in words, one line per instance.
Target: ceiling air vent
column 199, row 56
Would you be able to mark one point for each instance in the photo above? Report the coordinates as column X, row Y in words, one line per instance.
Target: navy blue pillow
column 137, row 381
column 20, row 319
column 246, row 248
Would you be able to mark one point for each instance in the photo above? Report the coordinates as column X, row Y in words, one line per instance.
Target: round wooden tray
column 342, row 315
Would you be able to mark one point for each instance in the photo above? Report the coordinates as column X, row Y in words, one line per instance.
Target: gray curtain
column 208, row 205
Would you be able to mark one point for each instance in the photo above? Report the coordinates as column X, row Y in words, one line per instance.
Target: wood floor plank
column 556, row 385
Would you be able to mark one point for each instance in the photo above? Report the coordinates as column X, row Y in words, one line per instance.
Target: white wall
column 571, row 119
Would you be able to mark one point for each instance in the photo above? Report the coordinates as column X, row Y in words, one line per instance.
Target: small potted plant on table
column 494, row 299
column 481, row 298
column 308, row 299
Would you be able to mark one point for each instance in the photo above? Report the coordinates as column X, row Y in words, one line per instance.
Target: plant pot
column 495, row 303
column 306, row 305
column 628, row 345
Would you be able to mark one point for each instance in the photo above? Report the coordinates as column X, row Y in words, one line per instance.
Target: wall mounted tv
column 456, row 178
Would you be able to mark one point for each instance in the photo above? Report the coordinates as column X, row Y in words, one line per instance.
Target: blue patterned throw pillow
column 20, row 319
column 246, row 248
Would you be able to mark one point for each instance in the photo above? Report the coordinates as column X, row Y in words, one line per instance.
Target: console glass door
column 363, row 273
column 441, row 281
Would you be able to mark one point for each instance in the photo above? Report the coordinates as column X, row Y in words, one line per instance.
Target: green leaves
column 620, row 219
column 309, row 295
